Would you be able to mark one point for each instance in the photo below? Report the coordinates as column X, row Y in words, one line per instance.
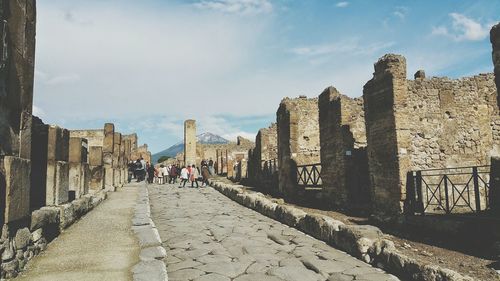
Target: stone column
column 495, row 42
column 78, row 167
column 107, row 156
column 189, row 142
column 116, row 160
column 387, row 134
column 57, row 184
column 344, row 162
column 17, row 57
column 298, row 141
column 96, row 169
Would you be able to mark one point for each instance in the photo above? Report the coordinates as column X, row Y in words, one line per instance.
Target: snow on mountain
column 205, row 138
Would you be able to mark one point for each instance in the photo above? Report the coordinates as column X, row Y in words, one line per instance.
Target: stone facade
column 263, row 159
column 424, row 123
column 298, row 140
column 344, row 162
column 141, row 152
column 190, row 142
column 79, row 170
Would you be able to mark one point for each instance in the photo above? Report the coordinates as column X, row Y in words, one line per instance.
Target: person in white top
column 184, row 177
column 165, row 171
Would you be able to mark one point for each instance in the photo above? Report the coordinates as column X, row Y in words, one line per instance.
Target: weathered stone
column 15, row 180
column 344, row 162
column 357, row 239
column 289, row 215
column 67, row 215
column 44, row 216
column 37, row 235
column 152, row 253
column 298, row 140
column 22, row 238
column 150, row 271
column 190, row 142
column 495, row 42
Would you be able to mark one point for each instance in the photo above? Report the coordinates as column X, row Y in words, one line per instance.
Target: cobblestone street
column 210, row 237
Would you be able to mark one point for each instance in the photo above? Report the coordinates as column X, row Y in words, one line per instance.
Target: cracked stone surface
column 209, row 237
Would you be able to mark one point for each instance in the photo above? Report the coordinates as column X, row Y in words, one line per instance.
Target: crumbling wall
column 424, row 123
column 298, row 140
column 262, row 163
column 94, row 137
column 78, row 168
column 344, row 160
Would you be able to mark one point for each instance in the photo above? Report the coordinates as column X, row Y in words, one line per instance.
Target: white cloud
column 400, row 12
column 244, row 7
column 351, row 46
column 463, row 29
column 342, row 4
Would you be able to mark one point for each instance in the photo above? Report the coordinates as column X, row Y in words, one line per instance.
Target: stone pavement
column 209, row 237
column 101, row 246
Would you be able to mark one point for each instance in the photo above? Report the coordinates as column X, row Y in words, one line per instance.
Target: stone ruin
column 298, row 141
column 190, row 142
column 49, row 176
column 369, row 147
column 263, row 159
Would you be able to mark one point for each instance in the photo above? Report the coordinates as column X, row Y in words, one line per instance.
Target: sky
column 148, row 65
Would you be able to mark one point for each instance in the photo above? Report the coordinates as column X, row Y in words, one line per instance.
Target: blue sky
column 148, row 65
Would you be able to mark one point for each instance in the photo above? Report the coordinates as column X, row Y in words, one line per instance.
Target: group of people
column 142, row 170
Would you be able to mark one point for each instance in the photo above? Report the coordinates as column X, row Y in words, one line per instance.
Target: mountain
column 205, row 138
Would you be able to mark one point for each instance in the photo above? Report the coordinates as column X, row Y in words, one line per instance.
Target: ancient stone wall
column 344, row 161
column 263, row 159
column 425, row 123
column 133, row 140
column 79, row 171
column 190, row 142
column 298, row 140
column 141, row 152
column 94, row 137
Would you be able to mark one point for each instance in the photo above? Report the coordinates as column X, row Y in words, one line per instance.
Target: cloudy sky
column 148, row 65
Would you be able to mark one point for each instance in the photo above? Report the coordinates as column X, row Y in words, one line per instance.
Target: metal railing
column 269, row 168
column 451, row 190
column 309, row 175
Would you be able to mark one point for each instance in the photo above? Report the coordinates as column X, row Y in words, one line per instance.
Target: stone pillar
column 39, row 146
column 116, row 160
column 344, row 162
column 57, row 185
column 495, row 42
column 189, row 142
column 78, row 166
column 298, row 140
column 107, row 156
column 17, row 57
column 96, row 169
column 387, row 134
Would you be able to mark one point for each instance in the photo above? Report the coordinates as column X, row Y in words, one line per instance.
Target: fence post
column 418, row 183
column 446, row 194
column 476, row 189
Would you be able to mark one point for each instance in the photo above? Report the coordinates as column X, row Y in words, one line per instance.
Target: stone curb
column 364, row 242
column 151, row 266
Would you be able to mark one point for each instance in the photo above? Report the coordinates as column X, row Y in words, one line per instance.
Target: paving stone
column 210, row 237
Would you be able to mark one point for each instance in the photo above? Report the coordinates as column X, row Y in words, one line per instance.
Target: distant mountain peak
column 204, row 138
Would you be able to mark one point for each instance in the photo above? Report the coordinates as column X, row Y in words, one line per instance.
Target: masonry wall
column 298, row 140
column 344, row 159
column 425, row 123
column 263, row 159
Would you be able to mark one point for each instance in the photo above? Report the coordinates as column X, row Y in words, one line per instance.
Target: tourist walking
column 151, row 173
column 165, row 171
column 184, row 177
column 205, row 174
column 194, row 175
column 138, row 170
column 159, row 174
column 211, row 167
column 174, row 171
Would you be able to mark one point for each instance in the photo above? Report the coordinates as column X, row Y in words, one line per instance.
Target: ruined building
column 49, row 176
column 263, row 162
column 298, row 142
column 344, row 162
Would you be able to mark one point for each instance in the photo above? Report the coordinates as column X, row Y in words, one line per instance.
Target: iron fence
column 269, row 168
column 309, row 176
column 451, row 190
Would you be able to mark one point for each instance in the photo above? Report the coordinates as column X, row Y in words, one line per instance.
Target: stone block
column 289, row 215
column 57, row 183
column 357, row 239
column 22, row 238
column 109, row 133
column 190, row 142
column 67, row 215
column 96, row 174
column 44, row 217
column 15, row 180
column 77, row 150
column 95, row 156
column 109, row 178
